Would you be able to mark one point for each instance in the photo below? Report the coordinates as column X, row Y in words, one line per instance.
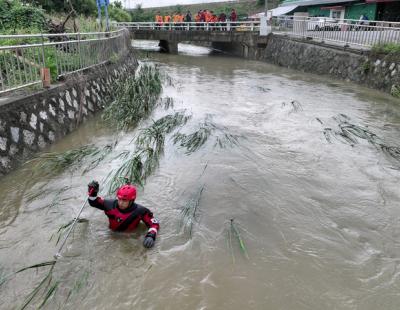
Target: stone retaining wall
column 31, row 123
column 380, row 72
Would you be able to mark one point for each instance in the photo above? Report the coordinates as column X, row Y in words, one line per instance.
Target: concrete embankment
column 360, row 66
column 30, row 123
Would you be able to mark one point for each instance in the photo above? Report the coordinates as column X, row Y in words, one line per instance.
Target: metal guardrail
column 344, row 32
column 22, row 57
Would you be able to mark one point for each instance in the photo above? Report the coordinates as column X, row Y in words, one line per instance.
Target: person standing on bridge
column 222, row 20
column 233, row 18
column 158, row 20
column 167, row 20
column 123, row 213
column 188, row 17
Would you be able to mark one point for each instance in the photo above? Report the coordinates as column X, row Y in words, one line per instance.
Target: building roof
column 312, row 2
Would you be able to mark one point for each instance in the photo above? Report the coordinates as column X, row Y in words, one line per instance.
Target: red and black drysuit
column 128, row 219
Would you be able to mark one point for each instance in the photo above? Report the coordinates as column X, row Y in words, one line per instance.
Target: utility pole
column 266, row 7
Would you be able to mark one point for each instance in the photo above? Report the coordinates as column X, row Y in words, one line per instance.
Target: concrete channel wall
column 381, row 72
column 31, row 122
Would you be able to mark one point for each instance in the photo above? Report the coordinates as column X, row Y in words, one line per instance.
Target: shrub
column 15, row 15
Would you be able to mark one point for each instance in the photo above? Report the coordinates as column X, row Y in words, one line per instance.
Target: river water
column 318, row 213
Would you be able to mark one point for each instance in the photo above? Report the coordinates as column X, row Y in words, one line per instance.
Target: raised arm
column 93, row 199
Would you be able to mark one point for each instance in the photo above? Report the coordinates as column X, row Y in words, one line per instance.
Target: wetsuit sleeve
column 97, row 202
column 151, row 222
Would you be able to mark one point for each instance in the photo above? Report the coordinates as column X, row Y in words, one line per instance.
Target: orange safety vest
column 176, row 18
column 167, row 19
column 159, row 19
column 197, row 18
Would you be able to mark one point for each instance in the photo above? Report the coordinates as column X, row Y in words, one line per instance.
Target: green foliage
column 53, row 163
column 136, row 97
column 140, row 15
column 149, row 148
column 233, row 232
column 14, row 15
column 395, row 91
column 387, row 48
column 189, row 212
column 119, row 15
column 194, row 141
column 117, row 4
column 86, row 7
column 366, row 66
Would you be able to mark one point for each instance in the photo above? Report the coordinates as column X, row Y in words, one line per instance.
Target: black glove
column 93, row 188
column 149, row 240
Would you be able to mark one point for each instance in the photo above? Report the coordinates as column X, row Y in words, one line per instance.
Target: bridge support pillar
column 170, row 47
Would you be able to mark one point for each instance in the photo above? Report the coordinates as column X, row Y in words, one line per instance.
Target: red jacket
column 128, row 219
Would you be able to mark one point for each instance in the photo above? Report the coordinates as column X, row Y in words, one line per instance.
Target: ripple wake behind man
column 123, row 213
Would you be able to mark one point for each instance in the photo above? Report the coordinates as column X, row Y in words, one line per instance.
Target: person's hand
column 149, row 240
column 93, row 188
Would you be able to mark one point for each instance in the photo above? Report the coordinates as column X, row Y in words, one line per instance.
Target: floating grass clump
column 79, row 284
column 43, row 285
column 167, row 102
column 294, row 105
column 136, row 97
column 141, row 163
column 194, row 141
column 98, row 156
column 189, row 212
column 54, row 163
column 233, row 233
column 62, row 229
column 46, row 281
column 350, row 134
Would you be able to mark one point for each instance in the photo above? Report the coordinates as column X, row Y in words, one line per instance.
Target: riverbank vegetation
column 57, row 16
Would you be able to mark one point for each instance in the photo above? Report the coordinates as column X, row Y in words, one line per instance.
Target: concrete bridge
column 242, row 39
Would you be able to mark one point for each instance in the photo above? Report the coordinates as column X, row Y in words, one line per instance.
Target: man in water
column 123, row 213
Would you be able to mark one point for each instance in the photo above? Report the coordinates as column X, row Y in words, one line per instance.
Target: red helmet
column 127, row 192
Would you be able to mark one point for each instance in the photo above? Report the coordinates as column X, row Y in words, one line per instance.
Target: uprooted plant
column 57, row 162
column 234, row 233
column 141, row 163
column 195, row 140
column 136, row 97
column 350, row 133
column 189, row 212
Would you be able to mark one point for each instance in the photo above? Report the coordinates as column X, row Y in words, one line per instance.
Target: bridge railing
column 364, row 33
column 23, row 58
column 191, row 26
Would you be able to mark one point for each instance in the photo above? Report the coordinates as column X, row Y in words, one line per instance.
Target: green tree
column 119, row 15
column 118, row 4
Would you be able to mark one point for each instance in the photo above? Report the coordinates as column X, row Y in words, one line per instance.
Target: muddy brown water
column 319, row 219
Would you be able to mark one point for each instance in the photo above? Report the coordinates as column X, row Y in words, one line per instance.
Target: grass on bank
column 387, row 48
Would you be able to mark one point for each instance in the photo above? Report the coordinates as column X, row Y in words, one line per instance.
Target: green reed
column 189, row 212
column 351, row 133
column 194, row 141
column 234, row 233
column 136, row 97
column 141, row 163
column 54, row 163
